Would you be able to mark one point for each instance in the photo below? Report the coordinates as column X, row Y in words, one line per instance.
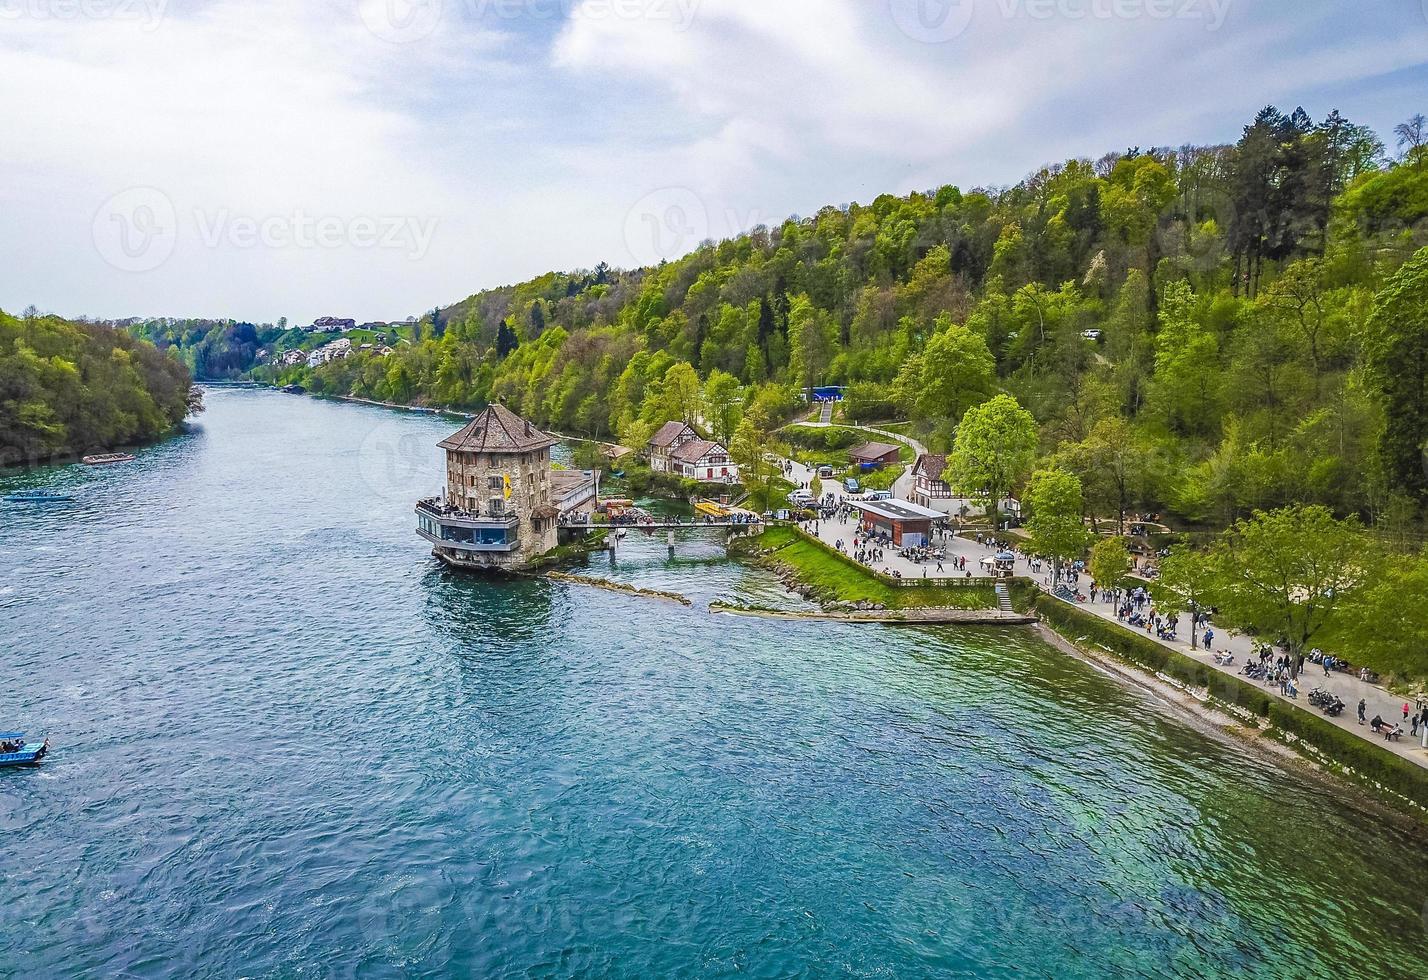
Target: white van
column 801, row 498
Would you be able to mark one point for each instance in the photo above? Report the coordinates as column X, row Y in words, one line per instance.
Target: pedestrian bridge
column 670, row 524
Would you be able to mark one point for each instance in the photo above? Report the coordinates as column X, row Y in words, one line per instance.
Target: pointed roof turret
column 498, row 430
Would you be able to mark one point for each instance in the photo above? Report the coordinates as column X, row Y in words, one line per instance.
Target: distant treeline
column 71, row 388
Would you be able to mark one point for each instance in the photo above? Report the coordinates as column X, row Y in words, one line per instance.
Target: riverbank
column 76, row 458
column 1398, row 780
column 839, row 584
column 906, row 617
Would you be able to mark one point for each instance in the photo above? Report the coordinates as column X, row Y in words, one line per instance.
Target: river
column 287, row 743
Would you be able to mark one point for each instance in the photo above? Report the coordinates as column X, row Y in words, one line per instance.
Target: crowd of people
column 1135, row 607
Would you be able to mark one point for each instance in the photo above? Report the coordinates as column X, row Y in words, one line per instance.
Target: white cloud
column 530, row 140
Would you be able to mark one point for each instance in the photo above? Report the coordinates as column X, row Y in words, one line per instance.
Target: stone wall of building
column 475, row 480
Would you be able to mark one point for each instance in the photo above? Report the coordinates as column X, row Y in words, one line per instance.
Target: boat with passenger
column 15, row 751
column 107, row 459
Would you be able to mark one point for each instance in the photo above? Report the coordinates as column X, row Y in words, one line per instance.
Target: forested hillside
column 1203, row 331
column 69, row 388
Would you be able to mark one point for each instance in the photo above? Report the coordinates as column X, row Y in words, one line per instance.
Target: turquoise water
column 288, row 744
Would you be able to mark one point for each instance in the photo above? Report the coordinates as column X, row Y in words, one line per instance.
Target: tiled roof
column 872, row 450
column 694, row 450
column 498, row 430
column 667, row 433
column 930, row 466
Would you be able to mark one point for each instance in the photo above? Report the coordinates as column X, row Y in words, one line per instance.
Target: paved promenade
column 1346, row 686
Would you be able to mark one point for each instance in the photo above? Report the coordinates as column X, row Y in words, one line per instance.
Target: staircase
column 825, row 413
column 1004, row 598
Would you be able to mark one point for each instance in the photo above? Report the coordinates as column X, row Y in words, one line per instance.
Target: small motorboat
column 107, row 459
column 15, row 751
column 37, row 497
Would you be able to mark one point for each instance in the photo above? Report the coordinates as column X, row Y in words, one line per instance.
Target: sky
column 373, row 159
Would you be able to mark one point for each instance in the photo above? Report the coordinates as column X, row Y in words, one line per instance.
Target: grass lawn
column 837, row 579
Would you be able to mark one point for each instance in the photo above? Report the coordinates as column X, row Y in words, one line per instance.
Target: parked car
column 825, row 472
column 1091, row 334
column 800, row 498
column 879, row 495
column 851, row 485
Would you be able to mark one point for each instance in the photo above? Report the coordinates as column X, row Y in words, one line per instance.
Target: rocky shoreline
column 620, row 587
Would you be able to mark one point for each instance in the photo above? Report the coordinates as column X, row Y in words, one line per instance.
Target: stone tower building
column 496, row 511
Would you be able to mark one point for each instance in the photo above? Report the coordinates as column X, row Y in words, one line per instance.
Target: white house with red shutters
column 677, row 449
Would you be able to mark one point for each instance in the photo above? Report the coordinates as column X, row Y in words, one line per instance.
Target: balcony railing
column 456, row 517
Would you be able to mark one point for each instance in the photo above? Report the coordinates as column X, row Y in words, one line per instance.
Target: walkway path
column 1346, row 686
column 903, row 487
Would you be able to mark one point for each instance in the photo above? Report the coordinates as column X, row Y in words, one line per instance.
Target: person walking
column 1363, row 709
column 1405, row 712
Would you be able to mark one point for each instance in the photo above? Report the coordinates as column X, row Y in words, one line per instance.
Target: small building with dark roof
column 874, row 455
column 906, row 524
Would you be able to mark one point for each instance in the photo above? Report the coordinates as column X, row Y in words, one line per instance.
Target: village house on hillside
column 330, row 352
column 677, row 449
column 325, row 323
column 502, row 503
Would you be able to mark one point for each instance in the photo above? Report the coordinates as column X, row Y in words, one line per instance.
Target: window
column 498, row 507
column 495, row 483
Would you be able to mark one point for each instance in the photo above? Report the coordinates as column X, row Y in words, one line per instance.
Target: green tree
column 954, row 372
column 1397, row 357
column 1287, row 573
column 724, row 404
column 1391, row 617
column 1053, row 501
column 1186, row 583
column 995, row 447
column 753, row 450
column 1186, row 386
column 810, row 340
column 1110, row 565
